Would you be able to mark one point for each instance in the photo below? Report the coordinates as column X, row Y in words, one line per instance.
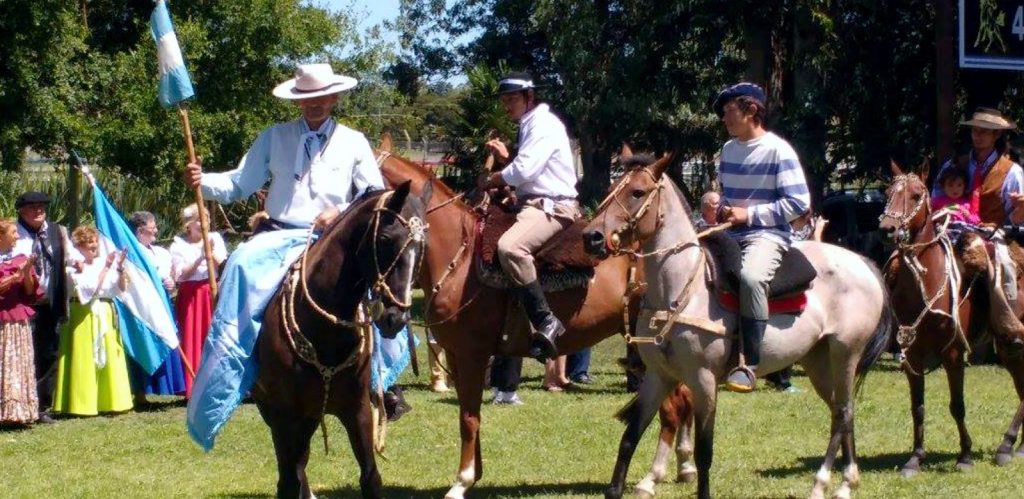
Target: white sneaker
column 499, row 397
column 509, row 398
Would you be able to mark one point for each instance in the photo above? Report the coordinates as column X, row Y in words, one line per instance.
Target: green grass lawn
column 557, row 445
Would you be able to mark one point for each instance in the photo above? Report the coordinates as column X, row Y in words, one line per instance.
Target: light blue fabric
column 175, row 84
column 227, row 369
column 389, row 358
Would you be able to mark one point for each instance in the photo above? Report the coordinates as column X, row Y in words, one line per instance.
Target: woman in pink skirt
column 193, row 308
column 19, row 289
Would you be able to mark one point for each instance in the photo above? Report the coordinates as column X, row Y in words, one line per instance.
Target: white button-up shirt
column 544, row 164
column 342, row 169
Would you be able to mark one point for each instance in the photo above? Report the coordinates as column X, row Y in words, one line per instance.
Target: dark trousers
column 781, row 379
column 506, row 372
column 577, row 364
column 45, row 340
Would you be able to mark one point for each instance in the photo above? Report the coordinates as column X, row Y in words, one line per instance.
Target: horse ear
column 658, row 167
column 398, row 197
column 895, row 168
column 922, row 170
column 385, row 142
column 625, row 152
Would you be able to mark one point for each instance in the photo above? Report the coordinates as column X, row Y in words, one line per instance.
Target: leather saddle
column 562, row 263
column 787, row 292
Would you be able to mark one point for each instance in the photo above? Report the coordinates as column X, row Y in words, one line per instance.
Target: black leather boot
column 547, row 327
column 742, row 379
column 395, row 405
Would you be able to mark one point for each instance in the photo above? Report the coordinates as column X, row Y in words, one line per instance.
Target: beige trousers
column 532, row 229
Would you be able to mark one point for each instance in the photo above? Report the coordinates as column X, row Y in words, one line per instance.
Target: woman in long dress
column 19, row 289
column 92, row 371
column 193, row 308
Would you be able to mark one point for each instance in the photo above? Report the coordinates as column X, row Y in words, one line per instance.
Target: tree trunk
column 945, row 55
column 809, row 113
column 597, row 160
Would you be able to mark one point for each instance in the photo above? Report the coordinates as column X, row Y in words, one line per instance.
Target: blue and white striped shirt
column 764, row 176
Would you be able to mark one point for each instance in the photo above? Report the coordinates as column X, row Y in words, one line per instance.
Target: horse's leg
column 844, row 408
column 359, row 426
column 291, row 435
column 817, row 365
column 637, row 415
column 954, row 364
column 916, row 382
column 668, row 414
column 704, row 393
column 469, row 383
column 685, row 470
column 1015, row 365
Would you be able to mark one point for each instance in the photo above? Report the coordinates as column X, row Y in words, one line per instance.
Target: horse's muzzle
column 392, row 321
column 594, row 244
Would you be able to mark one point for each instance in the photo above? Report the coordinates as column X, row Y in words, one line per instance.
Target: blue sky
column 377, row 12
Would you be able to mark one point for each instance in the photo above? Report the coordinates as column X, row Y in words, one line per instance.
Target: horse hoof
column 687, row 476
column 1003, row 458
column 910, row 472
column 612, row 493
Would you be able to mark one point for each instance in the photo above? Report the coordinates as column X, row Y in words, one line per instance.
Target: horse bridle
column 903, row 218
column 632, row 219
column 417, row 234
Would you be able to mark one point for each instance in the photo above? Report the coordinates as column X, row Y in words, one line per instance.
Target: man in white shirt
column 544, row 175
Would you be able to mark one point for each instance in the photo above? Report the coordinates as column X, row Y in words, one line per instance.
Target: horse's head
column 391, row 255
column 630, row 212
column 907, row 209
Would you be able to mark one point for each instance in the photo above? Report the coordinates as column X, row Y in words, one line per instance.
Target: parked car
column 853, row 218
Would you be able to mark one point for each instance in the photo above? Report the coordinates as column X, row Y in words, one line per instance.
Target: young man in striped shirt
column 763, row 190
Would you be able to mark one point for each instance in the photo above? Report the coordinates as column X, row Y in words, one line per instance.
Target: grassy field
column 557, row 445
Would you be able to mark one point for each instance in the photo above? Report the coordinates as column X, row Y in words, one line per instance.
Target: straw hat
column 313, row 80
column 992, row 119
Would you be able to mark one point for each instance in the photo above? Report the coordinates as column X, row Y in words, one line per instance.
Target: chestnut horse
column 467, row 317
column 941, row 309
column 314, row 352
column 682, row 329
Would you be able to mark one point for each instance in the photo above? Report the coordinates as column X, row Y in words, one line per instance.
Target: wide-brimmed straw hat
column 313, row 80
column 992, row 119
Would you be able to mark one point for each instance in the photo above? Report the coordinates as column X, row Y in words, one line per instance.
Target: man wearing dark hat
column 763, row 190
column 36, row 236
column 544, row 175
column 995, row 182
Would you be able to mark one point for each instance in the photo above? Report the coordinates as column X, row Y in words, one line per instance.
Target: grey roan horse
column 835, row 349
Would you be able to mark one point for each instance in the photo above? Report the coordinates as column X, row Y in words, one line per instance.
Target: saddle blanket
column 228, row 370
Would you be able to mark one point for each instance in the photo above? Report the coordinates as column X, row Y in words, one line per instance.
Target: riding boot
column 547, row 327
column 395, row 405
column 742, row 379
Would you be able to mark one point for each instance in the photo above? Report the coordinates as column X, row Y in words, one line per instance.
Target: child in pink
column 954, row 194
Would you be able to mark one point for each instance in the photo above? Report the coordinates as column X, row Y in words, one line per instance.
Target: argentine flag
column 175, row 85
column 143, row 310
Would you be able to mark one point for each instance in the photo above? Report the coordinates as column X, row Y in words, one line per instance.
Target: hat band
column 298, row 90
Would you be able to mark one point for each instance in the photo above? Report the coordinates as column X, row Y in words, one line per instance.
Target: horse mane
column 424, row 174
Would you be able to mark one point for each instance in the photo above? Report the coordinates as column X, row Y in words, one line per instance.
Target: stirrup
column 738, row 388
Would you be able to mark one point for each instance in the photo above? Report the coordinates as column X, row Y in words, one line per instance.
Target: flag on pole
column 175, row 85
column 143, row 310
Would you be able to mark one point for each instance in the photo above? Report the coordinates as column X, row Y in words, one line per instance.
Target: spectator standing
column 19, row 289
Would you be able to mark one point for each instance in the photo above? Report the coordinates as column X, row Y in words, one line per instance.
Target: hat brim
column 989, row 125
column 499, row 93
column 339, row 84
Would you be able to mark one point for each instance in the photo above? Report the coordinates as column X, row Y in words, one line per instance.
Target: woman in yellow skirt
column 92, row 373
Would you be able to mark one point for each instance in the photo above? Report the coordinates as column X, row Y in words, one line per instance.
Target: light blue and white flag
column 144, row 313
column 175, row 85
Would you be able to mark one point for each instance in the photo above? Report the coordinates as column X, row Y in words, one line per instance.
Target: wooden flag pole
column 204, row 219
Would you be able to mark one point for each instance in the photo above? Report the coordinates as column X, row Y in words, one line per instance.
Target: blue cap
column 738, row 90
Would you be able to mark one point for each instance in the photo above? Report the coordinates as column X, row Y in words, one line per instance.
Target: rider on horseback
column 544, row 175
column 763, row 190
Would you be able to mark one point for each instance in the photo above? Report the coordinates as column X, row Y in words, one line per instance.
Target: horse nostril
column 593, row 241
column 889, row 229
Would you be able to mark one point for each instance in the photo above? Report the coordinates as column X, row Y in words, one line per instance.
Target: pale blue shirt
column 341, row 169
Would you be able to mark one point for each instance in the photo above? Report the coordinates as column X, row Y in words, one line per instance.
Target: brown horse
column 467, row 317
column 941, row 309
column 314, row 352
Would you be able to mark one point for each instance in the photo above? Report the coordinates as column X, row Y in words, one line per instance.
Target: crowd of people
column 61, row 352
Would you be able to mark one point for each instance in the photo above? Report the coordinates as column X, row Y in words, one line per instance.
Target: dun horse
column 314, row 350
column 941, row 311
column 467, row 317
column 682, row 329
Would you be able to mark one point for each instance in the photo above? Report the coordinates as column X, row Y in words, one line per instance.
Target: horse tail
column 881, row 338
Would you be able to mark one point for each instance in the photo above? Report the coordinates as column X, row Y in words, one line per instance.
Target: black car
column 853, row 218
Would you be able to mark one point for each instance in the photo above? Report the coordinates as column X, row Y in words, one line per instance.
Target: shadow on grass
column 589, row 489
column 935, row 462
column 162, row 404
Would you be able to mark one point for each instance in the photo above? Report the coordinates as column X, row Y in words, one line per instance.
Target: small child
column 954, row 187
